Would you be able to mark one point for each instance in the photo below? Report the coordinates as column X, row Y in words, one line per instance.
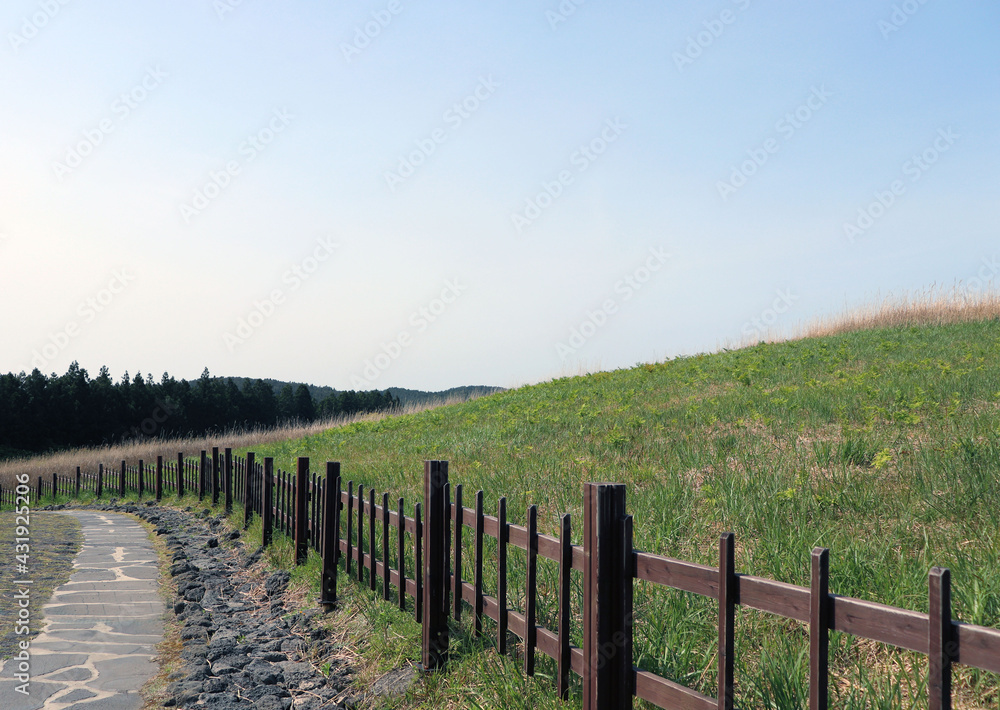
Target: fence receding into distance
column 361, row 534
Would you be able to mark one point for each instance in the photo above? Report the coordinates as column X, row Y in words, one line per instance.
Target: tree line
column 40, row 413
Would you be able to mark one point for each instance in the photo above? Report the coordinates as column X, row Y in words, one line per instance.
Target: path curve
column 97, row 646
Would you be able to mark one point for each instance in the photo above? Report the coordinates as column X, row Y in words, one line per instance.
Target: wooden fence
column 342, row 525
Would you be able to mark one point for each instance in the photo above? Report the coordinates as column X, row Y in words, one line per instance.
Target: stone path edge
column 217, row 669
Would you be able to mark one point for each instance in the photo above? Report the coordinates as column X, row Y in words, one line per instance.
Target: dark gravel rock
column 235, row 660
column 273, row 656
column 272, row 702
column 277, row 583
column 191, row 633
column 180, row 568
column 256, row 692
column 242, row 648
column 185, row 693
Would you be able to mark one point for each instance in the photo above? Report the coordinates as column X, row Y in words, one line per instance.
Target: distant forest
column 40, row 413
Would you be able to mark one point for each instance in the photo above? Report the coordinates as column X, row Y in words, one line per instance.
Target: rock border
column 244, row 646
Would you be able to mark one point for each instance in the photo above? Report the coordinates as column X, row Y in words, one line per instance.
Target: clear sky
column 432, row 194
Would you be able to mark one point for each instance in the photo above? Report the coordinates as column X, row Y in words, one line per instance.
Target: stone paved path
column 97, row 645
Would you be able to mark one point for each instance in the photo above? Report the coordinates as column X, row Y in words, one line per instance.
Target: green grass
column 54, row 541
column 881, row 445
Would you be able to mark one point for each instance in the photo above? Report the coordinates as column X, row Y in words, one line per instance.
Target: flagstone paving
column 97, row 646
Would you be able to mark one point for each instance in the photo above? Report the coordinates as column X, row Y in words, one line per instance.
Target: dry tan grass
column 935, row 305
column 65, row 462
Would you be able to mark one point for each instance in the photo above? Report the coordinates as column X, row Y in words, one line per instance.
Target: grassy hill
column 880, row 444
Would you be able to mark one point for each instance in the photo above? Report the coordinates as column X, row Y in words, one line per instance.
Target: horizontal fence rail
column 366, row 535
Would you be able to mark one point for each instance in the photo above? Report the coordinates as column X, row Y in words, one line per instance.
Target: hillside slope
column 881, row 445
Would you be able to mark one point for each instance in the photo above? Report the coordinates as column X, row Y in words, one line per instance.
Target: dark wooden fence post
column 78, row 477
column 502, row 537
column 386, row 591
column 372, row 578
column 940, row 645
column 228, row 475
column 38, row 496
column 100, row 479
column 607, row 634
column 727, row 619
column 248, row 479
column 456, row 593
column 819, row 629
column 400, row 551
column 142, row 477
column 290, row 502
column 268, row 510
column 418, row 568
column 322, row 484
column 301, row 495
column 361, row 534
column 202, row 475
column 180, row 474
column 445, row 570
column 349, row 535
column 530, row 590
column 159, row 478
column 331, row 532
column 478, row 572
column 55, row 485
column 121, row 481
column 279, row 499
column 435, row 626
column 314, row 513
column 563, row 663
column 215, row 476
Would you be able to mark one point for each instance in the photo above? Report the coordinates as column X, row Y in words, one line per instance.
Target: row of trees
column 44, row 413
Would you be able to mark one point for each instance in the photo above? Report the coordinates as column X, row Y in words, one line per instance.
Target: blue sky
column 433, row 194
